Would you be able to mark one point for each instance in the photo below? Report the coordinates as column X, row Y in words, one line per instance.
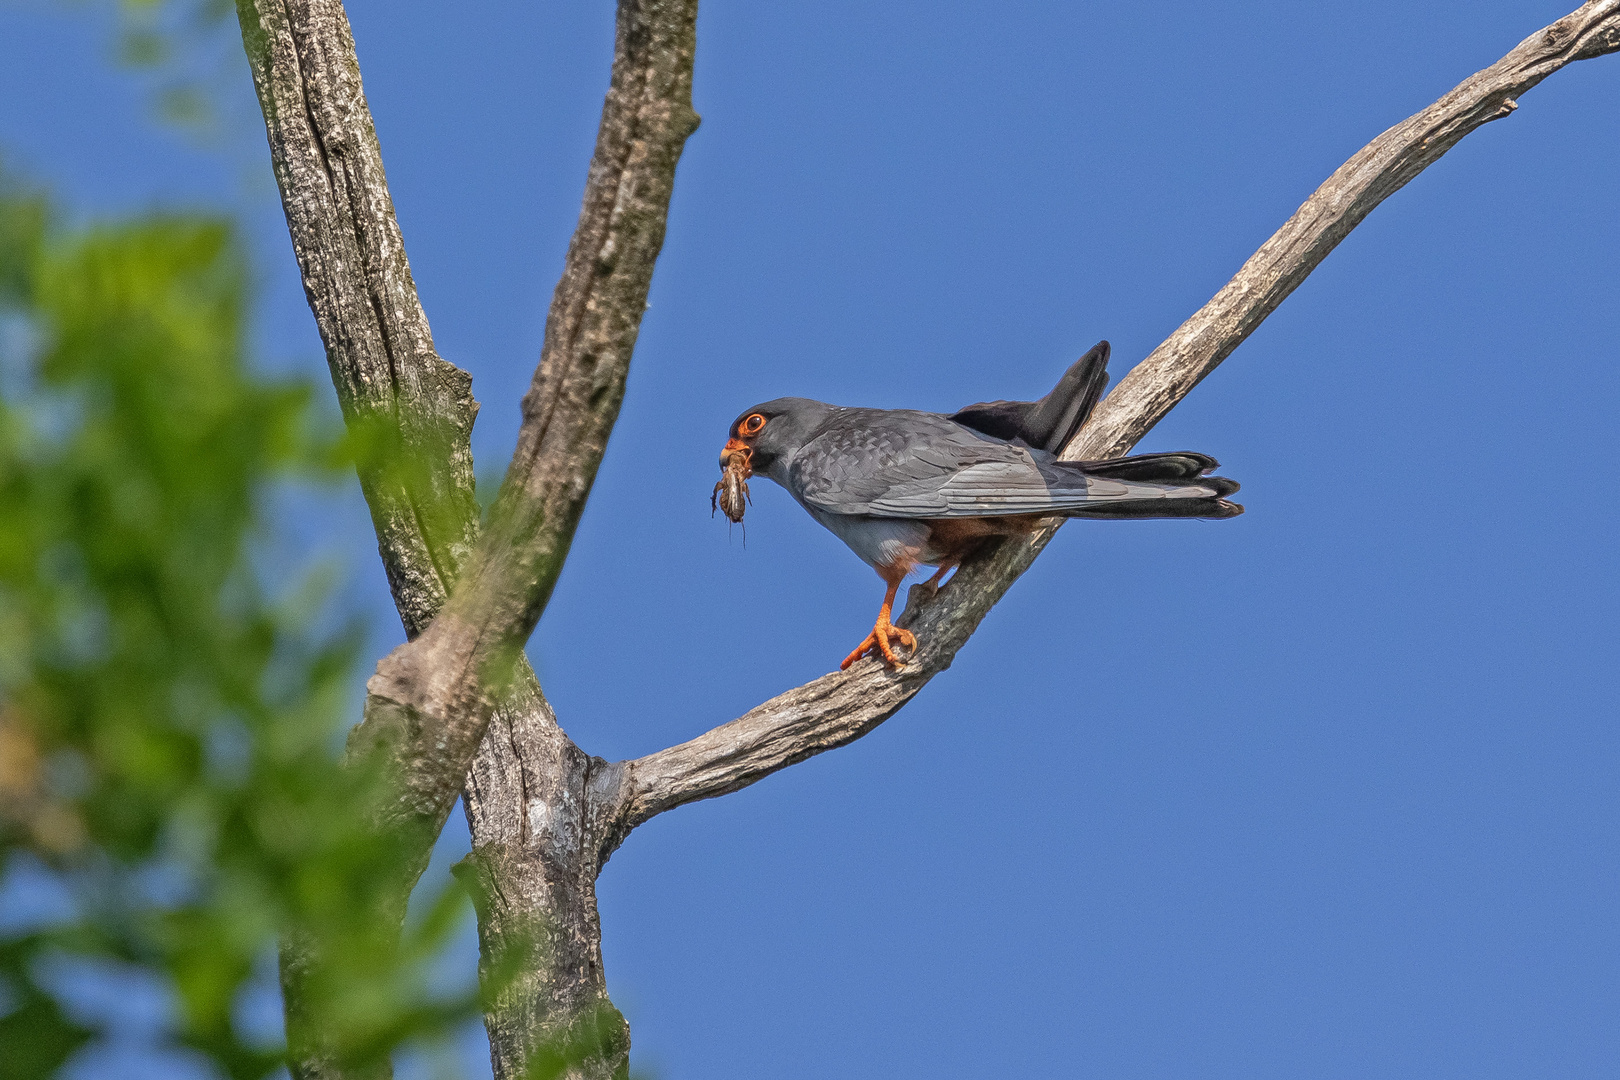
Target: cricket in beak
column 730, row 495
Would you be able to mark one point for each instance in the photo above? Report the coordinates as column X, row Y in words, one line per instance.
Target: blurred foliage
column 169, row 720
column 189, row 51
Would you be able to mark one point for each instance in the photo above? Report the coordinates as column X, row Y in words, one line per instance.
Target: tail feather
column 1177, row 487
column 1162, row 508
column 1183, row 465
column 1058, row 416
column 1183, row 486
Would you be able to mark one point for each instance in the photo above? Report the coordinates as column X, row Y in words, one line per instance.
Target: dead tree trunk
column 534, row 804
column 457, row 710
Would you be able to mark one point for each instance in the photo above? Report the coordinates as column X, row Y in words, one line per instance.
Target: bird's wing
column 999, row 489
column 903, row 464
column 1047, row 424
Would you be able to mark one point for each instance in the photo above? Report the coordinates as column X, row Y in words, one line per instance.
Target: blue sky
column 1324, row 791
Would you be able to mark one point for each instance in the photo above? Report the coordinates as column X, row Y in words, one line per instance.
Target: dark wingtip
column 1047, row 424
column 1058, row 416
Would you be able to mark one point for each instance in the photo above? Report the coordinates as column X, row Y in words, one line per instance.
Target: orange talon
column 878, row 640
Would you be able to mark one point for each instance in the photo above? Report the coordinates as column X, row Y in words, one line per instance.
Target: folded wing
column 903, row 464
column 999, row 489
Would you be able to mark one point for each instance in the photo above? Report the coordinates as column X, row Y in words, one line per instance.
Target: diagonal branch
column 592, row 326
column 409, row 413
column 531, row 795
column 839, row 708
column 1373, row 174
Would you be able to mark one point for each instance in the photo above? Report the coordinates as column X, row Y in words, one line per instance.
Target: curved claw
column 877, row 642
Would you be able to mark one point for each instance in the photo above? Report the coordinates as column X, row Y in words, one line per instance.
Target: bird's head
column 768, row 435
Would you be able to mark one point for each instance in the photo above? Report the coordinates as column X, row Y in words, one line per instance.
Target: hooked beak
column 737, row 449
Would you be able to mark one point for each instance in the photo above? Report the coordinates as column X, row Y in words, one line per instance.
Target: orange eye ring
column 753, row 424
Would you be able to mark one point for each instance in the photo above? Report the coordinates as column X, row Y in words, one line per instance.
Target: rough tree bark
column 535, row 802
column 413, row 413
column 546, row 816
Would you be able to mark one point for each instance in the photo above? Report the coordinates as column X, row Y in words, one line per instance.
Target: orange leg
column 878, row 640
column 939, row 575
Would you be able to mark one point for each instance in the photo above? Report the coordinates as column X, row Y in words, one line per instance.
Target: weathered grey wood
column 412, row 410
column 409, row 411
column 843, row 706
column 538, row 865
column 537, row 806
column 534, row 806
column 1377, row 171
column 447, row 680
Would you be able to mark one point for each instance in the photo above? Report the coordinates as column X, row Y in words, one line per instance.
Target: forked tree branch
column 447, row 682
column 838, row 708
column 409, row 412
column 411, row 415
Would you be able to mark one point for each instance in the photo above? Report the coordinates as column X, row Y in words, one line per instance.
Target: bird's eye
column 753, row 425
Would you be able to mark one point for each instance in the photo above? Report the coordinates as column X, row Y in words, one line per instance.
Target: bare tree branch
column 1376, row 172
column 533, row 803
column 432, row 698
column 838, row 708
column 531, row 795
column 435, row 694
column 410, row 411
column 536, row 843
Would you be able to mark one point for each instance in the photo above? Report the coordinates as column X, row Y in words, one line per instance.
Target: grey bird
column 905, row 488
